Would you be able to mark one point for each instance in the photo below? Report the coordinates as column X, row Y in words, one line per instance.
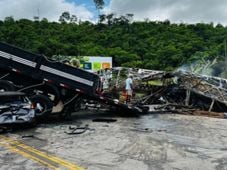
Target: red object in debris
column 124, row 94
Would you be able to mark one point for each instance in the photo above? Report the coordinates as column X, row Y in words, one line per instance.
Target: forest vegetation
column 160, row 45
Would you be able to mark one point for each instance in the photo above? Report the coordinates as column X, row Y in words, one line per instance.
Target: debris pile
column 177, row 92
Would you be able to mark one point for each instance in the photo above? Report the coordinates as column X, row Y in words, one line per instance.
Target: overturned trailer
column 49, row 83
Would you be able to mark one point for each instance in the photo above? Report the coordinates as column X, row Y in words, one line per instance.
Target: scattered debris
column 77, row 130
column 104, row 120
column 27, row 136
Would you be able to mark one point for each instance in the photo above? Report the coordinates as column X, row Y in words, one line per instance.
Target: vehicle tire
column 49, row 88
column 6, row 86
column 56, row 93
column 43, row 105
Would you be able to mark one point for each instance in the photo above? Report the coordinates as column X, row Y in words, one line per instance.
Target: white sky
column 187, row 11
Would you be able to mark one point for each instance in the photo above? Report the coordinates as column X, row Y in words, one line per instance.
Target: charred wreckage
column 53, row 87
column 177, row 92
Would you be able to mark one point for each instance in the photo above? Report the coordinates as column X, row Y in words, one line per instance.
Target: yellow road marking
column 32, row 153
column 13, row 149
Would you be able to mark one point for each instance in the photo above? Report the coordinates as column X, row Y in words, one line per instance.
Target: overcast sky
column 187, row 11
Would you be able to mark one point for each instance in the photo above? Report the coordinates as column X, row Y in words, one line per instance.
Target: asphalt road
column 137, row 143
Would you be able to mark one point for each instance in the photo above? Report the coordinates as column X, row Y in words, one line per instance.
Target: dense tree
column 99, row 4
column 67, row 18
column 147, row 44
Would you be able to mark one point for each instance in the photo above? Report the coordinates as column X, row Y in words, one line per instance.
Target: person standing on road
column 129, row 88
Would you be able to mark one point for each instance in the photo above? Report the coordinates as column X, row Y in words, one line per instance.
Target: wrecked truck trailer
column 162, row 91
column 46, row 82
column 49, row 83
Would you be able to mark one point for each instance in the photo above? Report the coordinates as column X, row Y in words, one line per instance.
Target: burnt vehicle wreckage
column 177, row 92
column 50, row 84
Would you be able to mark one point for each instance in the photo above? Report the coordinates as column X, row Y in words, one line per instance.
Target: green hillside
column 148, row 44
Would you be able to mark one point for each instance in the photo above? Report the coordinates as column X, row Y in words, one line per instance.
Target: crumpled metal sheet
column 11, row 116
column 214, row 88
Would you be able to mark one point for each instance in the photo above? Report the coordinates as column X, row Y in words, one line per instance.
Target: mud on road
column 145, row 143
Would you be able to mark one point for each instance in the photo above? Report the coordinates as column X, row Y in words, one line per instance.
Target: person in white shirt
column 128, row 88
